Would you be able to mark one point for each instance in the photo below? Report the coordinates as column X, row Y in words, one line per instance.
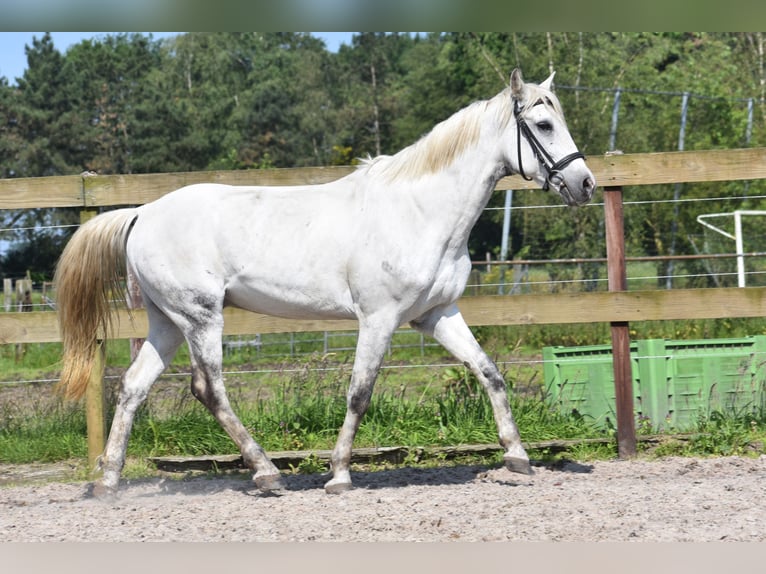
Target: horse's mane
column 447, row 140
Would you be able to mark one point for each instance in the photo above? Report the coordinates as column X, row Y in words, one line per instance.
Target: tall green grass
column 304, row 411
column 41, row 431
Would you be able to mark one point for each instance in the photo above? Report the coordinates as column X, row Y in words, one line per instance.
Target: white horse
column 386, row 245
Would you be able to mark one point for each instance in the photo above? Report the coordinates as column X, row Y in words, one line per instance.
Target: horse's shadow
column 440, row 476
column 363, row 480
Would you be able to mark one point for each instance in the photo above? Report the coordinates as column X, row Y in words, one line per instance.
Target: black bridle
column 553, row 168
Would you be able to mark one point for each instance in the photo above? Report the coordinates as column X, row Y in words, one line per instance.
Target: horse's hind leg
column 155, row 354
column 448, row 327
column 207, row 386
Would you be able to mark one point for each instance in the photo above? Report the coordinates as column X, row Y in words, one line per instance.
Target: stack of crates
column 674, row 382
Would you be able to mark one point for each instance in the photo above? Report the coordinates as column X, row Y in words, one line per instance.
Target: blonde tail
column 88, row 274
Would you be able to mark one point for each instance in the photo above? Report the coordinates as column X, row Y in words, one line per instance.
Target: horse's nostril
column 588, row 185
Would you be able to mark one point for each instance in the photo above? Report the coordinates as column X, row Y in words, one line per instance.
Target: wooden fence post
column 7, row 294
column 95, row 407
column 23, row 305
column 23, row 295
column 617, row 275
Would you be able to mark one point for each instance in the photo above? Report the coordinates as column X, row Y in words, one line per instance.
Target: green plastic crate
column 674, row 382
column 581, row 380
column 719, row 374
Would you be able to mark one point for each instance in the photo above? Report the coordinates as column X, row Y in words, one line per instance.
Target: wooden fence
column 617, row 307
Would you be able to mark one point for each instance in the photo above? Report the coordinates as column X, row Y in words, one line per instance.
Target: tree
column 42, row 113
column 367, row 81
column 251, row 99
column 11, row 139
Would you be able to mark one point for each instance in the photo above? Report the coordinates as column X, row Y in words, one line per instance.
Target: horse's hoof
column 103, row 493
column 337, row 487
column 269, row 482
column 519, row 465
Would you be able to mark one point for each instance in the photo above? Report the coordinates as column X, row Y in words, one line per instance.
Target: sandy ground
column 672, row 499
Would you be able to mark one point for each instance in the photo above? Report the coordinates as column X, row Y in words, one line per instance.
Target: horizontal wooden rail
column 614, row 170
column 33, row 192
column 670, row 167
column 559, row 308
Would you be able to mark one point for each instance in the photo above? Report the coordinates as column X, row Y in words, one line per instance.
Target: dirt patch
column 673, row 499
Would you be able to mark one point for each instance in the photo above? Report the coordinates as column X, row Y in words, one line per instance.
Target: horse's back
column 281, row 251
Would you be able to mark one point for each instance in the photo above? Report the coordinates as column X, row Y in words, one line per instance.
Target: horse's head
column 544, row 150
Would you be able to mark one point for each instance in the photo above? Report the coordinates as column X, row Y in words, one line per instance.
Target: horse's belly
column 291, row 302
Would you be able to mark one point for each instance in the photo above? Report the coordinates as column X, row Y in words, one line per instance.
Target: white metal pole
column 740, row 248
column 615, row 113
column 677, row 194
column 504, row 238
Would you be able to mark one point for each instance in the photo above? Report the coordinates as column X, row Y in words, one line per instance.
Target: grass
column 303, row 411
column 41, row 431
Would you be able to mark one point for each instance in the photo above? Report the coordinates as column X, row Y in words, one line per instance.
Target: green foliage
column 302, row 412
column 721, row 433
column 724, row 435
column 41, row 429
column 31, row 361
column 126, row 103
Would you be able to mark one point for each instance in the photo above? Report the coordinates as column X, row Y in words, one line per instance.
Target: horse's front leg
column 374, row 338
column 448, row 327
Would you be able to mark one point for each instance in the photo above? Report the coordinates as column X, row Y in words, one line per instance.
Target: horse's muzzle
column 575, row 195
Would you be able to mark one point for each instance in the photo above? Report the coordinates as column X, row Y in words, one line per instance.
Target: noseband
column 553, row 168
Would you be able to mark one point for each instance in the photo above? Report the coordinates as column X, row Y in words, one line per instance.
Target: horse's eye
column 545, row 126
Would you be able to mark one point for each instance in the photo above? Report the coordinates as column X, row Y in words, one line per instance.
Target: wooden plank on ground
column 285, row 460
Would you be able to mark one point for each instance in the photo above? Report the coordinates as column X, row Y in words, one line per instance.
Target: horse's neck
column 459, row 194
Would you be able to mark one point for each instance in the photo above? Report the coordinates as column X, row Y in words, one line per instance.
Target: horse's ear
column 517, row 85
column 548, row 83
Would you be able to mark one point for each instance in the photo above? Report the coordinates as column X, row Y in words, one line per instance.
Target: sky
column 13, row 60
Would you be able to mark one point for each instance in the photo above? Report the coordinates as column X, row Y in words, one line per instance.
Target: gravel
column 670, row 499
